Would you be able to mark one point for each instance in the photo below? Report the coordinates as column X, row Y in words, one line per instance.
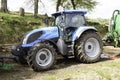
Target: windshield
column 75, row 20
column 70, row 20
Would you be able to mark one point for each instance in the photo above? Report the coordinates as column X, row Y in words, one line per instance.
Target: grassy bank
column 100, row 24
column 13, row 27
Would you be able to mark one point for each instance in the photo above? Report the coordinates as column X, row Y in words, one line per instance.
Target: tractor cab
column 68, row 22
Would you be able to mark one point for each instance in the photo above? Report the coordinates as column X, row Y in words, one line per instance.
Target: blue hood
column 47, row 33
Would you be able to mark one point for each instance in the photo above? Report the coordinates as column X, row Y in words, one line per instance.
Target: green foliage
column 100, row 24
column 51, row 78
column 6, row 66
column 76, row 4
column 13, row 27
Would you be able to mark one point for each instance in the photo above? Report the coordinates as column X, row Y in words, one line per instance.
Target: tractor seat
column 69, row 32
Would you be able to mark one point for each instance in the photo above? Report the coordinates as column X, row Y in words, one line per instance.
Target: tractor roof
column 69, row 12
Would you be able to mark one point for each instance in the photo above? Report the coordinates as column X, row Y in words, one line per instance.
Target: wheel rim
column 92, row 47
column 44, row 57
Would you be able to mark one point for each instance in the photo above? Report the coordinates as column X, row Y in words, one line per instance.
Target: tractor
column 68, row 36
column 112, row 38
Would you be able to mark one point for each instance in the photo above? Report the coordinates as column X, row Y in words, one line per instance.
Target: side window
column 78, row 20
column 75, row 20
column 60, row 21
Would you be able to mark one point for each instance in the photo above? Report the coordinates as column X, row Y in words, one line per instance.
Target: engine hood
column 42, row 33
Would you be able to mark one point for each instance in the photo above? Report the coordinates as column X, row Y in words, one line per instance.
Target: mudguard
column 80, row 30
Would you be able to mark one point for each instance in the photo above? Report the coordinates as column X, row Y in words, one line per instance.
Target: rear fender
column 81, row 30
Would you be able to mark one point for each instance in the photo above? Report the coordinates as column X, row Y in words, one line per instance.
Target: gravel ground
column 69, row 69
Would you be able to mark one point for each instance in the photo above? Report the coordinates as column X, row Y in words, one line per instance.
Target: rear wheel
column 88, row 47
column 42, row 56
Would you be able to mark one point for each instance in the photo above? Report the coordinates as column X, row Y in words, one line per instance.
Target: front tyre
column 42, row 56
column 88, row 47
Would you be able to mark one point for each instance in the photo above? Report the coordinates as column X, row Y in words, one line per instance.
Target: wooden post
column 22, row 12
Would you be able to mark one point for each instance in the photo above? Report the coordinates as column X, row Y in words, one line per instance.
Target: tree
column 89, row 4
column 36, row 8
column 34, row 3
column 58, row 4
column 76, row 4
column 73, row 4
column 4, row 6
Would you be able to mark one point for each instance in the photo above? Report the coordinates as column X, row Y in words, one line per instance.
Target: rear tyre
column 88, row 47
column 42, row 56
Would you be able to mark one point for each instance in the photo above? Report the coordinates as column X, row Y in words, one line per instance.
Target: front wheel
column 42, row 56
column 88, row 47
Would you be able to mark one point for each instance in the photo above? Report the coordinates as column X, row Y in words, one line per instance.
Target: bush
column 100, row 24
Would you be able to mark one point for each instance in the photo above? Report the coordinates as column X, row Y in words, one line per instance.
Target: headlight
column 25, row 41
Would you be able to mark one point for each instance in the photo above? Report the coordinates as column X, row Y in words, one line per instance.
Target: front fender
column 80, row 30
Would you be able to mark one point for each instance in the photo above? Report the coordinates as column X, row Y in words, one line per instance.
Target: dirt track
column 67, row 69
column 111, row 50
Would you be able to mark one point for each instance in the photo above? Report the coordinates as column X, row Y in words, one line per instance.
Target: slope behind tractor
column 69, row 36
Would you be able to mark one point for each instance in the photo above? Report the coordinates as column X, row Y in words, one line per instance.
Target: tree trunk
column 4, row 6
column 58, row 4
column 35, row 8
column 73, row 4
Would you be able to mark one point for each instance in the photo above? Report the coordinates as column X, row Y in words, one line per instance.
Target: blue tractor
column 69, row 36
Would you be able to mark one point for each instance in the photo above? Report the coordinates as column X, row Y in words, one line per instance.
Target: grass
column 13, row 26
column 100, row 24
column 108, row 70
column 15, row 16
column 51, row 78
